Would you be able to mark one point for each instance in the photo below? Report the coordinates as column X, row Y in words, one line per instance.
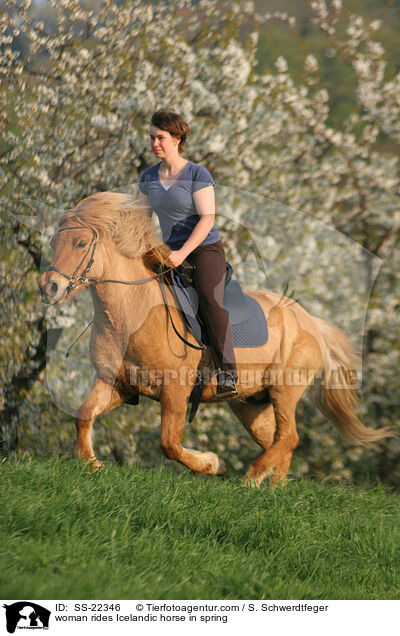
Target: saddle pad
column 251, row 333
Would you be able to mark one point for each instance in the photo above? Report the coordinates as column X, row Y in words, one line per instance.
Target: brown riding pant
column 209, row 281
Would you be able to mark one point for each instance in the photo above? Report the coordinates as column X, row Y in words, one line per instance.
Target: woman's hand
column 176, row 258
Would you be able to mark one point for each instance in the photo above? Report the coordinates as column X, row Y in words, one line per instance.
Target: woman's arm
column 204, row 201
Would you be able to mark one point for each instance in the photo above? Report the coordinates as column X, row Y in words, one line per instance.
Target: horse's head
column 103, row 224
column 74, row 247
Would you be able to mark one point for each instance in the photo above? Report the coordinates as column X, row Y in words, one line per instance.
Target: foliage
column 76, row 98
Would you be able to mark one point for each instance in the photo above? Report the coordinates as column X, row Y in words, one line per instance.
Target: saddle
column 249, row 326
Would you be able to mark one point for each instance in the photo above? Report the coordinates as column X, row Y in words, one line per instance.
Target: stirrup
column 226, row 385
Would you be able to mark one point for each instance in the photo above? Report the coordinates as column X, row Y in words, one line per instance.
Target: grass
column 125, row 533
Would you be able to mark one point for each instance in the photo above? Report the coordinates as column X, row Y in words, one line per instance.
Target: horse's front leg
column 174, row 400
column 102, row 398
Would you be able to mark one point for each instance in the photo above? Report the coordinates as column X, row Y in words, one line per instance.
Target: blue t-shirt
column 175, row 206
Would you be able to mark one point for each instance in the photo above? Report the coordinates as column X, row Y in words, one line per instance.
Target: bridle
column 76, row 281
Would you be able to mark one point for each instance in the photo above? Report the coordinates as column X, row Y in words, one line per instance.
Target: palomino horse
column 107, row 234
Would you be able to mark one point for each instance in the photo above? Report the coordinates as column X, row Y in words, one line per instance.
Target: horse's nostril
column 51, row 289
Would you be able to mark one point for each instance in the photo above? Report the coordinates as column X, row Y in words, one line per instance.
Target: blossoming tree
column 77, row 93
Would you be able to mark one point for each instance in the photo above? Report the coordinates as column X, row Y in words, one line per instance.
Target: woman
column 181, row 193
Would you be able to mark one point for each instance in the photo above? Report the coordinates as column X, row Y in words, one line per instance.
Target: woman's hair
column 172, row 123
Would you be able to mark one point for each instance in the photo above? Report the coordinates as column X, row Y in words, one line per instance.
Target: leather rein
column 76, row 281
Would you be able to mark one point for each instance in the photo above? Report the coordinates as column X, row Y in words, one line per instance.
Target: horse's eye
column 81, row 245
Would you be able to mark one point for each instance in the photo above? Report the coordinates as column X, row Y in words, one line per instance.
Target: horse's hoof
column 278, row 482
column 216, row 464
column 250, row 482
column 221, row 469
column 96, row 466
column 93, row 464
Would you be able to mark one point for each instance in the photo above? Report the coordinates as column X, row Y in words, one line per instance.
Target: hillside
column 157, row 534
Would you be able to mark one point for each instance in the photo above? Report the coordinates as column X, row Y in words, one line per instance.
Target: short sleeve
column 202, row 178
column 143, row 185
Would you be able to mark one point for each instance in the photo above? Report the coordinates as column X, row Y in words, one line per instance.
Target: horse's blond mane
column 118, row 217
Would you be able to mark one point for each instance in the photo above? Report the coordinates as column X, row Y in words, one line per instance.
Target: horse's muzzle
column 51, row 291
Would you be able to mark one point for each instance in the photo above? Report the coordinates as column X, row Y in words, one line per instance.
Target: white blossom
column 375, row 25
column 311, row 64
column 362, row 66
column 281, row 64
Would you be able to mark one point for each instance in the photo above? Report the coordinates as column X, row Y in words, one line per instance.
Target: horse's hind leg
column 281, row 469
column 259, row 420
column 277, row 459
column 173, row 412
column 101, row 399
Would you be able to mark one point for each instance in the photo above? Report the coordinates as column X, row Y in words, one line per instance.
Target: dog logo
column 26, row 615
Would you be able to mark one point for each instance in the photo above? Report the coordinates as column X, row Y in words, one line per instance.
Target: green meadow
column 126, row 533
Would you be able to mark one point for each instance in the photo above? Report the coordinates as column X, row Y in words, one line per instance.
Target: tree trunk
column 22, row 382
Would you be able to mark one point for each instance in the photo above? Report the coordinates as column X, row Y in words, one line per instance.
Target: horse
column 132, row 339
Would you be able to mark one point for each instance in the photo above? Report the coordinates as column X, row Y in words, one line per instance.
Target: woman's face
column 163, row 144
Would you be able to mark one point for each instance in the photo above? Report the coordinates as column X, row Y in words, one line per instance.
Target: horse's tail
column 336, row 394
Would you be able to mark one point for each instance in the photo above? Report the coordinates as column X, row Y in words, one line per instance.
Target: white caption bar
column 210, row 617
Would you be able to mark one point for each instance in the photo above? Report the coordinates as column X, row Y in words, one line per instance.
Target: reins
column 76, row 281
